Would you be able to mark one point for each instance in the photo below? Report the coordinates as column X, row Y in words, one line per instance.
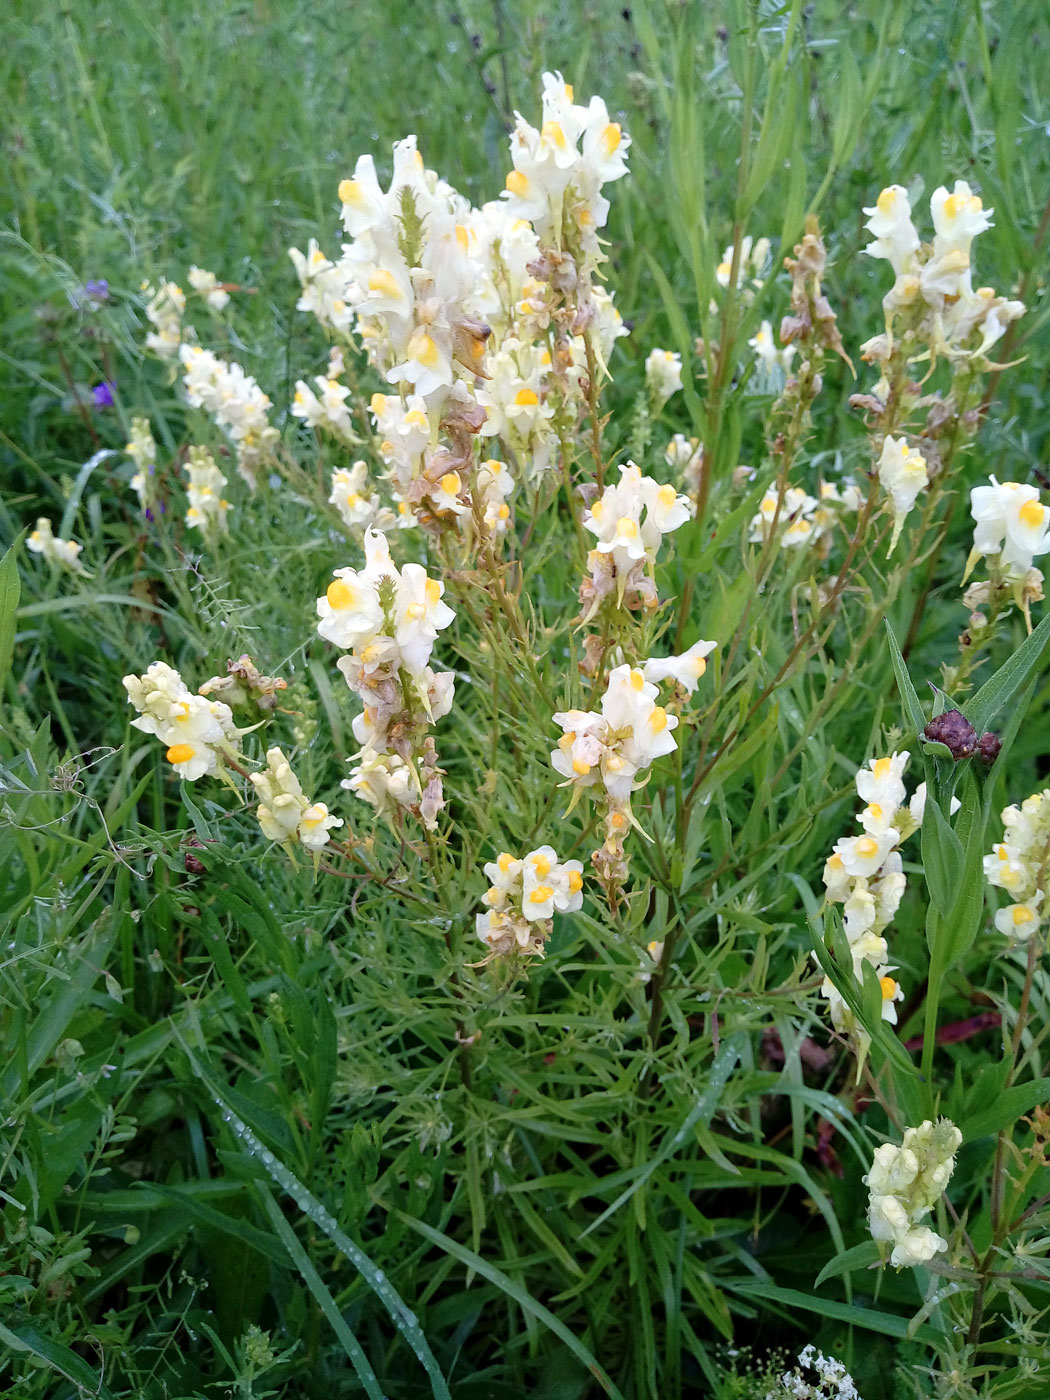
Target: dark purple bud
column 194, row 866
column 163, row 508
column 97, row 290
column 149, row 514
column 955, row 732
column 988, row 746
column 102, row 394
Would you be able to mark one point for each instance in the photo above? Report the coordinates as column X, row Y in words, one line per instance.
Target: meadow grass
column 267, row 1131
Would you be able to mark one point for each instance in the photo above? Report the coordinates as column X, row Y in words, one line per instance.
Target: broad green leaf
column 24, row 1336
column 942, row 856
column 909, row 699
column 861, row 1256
column 1007, row 1109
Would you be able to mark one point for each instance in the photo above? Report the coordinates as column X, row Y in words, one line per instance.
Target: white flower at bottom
column 1020, row 920
column 917, row 1246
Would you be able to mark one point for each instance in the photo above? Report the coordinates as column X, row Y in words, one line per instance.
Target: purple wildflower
column 97, row 290
column 102, row 394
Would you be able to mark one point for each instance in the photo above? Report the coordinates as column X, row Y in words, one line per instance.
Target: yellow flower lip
column 525, row 398
column 384, row 282
column 889, row 988
column 180, row 753
column 340, row 595
column 575, row 882
column 552, row 132
column 1032, row 514
column 541, row 865
column 541, row 894
column 1022, row 914
column 886, row 200
column 867, row 846
column 518, row 183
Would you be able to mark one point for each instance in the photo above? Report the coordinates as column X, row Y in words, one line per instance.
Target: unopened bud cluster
column 904, row 1184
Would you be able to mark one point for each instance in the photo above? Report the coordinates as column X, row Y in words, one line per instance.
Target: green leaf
column 942, row 856
column 521, row 1296
column 701, row 1112
column 912, row 708
column 871, row 1319
column 999, row 690
column 1007, row 1109
column 324, row 1299
column 403, row 1318
column 10, row 591
column 24, row 1337
column 861, row 1256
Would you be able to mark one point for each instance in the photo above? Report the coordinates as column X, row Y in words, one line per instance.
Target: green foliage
column 271, row 1130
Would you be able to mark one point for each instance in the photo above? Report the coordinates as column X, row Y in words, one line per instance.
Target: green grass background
column 549, row 1213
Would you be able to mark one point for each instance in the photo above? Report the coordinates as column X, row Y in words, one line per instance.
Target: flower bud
column 988, row 746
column 955, row 732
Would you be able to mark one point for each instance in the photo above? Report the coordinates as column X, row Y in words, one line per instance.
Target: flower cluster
column 799, row 519
column 236, row 403
column 64, row 554
column 630, row 520
column 610, row 752
column 208, row 507
column 143, row 452
column 359, row 507
column 285, row 814
column 833, row 1381
column 165, row 308
column 933, row 290
column 559, row 171
column 387, row 621
column 1020, row 865
column 865, row 875
column 904, row 1185
column 476, row 317
column 752, row 265
column 196, row 732
column 209, row 288
column 325, row 410
column 522, row 898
